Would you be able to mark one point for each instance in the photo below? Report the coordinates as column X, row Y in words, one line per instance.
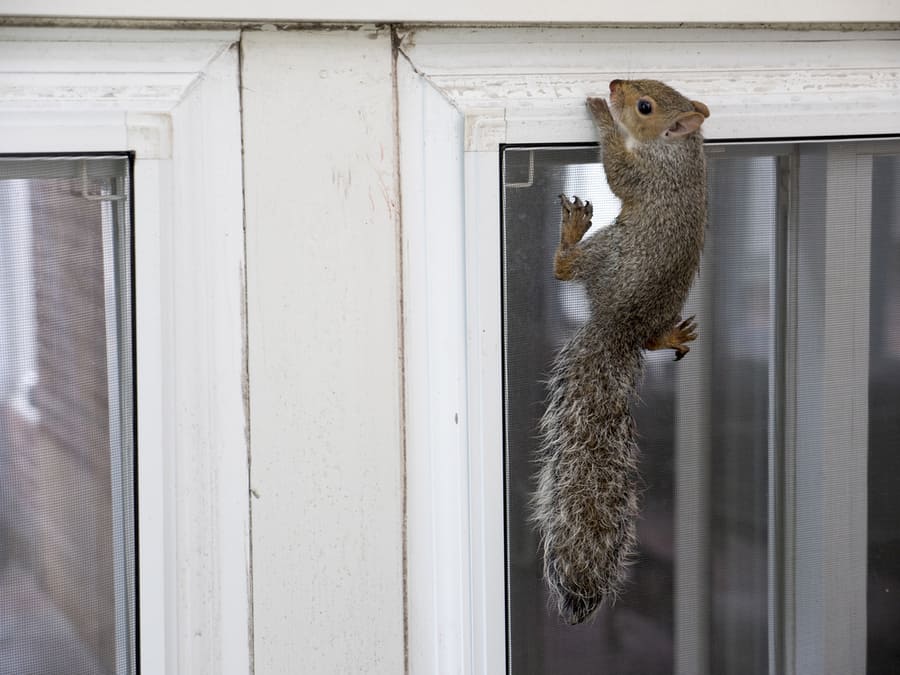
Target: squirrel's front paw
column 599, row 110
column 576, row 219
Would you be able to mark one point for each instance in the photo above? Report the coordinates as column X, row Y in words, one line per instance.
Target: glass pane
column 66, row 431
column 883, row 597
column 700, row 582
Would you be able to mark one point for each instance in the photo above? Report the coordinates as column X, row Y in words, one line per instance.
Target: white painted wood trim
column 93, row 69
column 758, row 84
column 453, row 386
column 439, row 586
column 495, row 11
column 323, row 288
column 484, row 402
column 462, row 94
column 172, row 98
column 158, row 618
column 203, row 338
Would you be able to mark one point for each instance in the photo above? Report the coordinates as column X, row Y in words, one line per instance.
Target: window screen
column 769, row 541
column 67, row 590
column 883, row 578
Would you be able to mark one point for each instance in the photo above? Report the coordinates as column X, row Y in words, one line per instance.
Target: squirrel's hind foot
column 677, row 338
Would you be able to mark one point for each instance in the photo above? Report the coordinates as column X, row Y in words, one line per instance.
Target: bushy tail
column 586, row 501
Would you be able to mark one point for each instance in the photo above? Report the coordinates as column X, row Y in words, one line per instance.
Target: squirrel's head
column 649, row 110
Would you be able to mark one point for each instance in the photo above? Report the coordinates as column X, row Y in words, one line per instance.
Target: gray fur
column 637, row 273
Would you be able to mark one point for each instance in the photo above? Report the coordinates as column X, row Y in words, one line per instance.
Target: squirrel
column 637, row 273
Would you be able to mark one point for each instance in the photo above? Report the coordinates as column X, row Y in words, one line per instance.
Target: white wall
column 500, row 11
column 324, row 361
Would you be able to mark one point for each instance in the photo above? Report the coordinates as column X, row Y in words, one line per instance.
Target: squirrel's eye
column 644, row 107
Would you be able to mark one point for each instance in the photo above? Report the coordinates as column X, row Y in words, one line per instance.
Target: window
column 169, row 98
column 757, row 402
column 67, row 517
column 524, row 89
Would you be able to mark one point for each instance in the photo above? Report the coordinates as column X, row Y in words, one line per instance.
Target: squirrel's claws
column 684, row 331
column 576, row 220
column 576, row 204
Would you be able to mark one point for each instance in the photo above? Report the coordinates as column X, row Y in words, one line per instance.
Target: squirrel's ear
column 686, row 123
column 700, row 108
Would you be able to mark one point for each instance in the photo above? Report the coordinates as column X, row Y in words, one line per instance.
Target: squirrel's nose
column 614, row 85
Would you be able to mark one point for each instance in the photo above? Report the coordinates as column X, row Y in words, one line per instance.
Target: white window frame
column 172, row 98
column 462, row 94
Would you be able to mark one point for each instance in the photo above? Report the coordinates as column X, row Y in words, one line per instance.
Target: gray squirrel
column 637, row 273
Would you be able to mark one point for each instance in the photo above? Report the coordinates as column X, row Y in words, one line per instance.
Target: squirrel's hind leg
column 576, row 220
column 677, row 337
